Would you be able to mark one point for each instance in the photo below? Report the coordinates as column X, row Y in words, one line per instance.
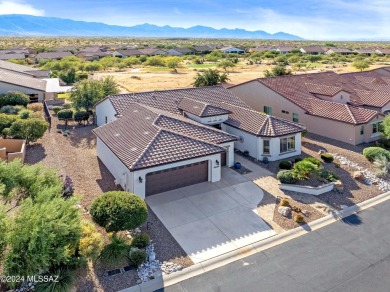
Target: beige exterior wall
column 15, row 148
column 257, row 96
column 5, row 87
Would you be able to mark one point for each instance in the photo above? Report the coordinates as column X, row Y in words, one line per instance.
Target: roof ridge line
column 146, row 149
column 353, row 117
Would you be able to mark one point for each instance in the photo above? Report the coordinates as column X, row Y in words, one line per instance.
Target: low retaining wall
column 11, row 149
column 316, row 191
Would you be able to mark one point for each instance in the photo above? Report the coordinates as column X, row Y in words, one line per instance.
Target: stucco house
column 180, row 52
column 232, row 50
column 345, row 107
column 312, row 50
column 212, row 116
column 53, row 56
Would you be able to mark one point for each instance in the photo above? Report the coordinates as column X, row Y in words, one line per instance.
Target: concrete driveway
column 210, row 219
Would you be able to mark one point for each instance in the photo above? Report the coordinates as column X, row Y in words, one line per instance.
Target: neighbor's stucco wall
column 247, row 142
column 257, row 96
column 5, row 87
column 103, row 110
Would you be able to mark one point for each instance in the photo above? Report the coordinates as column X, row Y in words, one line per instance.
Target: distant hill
column 28, row 25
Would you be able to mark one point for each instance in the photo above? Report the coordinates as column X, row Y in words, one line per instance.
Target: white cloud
column 18, row 7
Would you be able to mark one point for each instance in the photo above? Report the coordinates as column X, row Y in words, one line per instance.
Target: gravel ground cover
column 75, row 156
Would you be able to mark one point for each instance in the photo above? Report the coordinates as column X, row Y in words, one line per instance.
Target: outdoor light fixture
column 140, row 180
column 217, row 162
column 118, row 115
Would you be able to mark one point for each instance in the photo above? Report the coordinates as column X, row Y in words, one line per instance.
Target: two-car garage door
column 176, row 177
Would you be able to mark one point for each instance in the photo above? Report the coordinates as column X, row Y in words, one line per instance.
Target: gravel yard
column 76, row 156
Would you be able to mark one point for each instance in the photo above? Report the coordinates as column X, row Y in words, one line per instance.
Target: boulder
column 284, row 211
column 358, row 175
column 338, row 186
column 321, row 151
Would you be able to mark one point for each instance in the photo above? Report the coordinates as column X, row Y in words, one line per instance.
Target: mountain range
column 28, row 25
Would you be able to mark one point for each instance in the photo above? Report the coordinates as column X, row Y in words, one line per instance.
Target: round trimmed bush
column 313, row 160
column 140, row 240
column 299, row 218
column 371, row 153
column 65, row 114
column 118, row 210
column 286, row 177
column 284, row 164
column 56, row 109
column 284, row 203
column 14, row 98
column 326, row 157
column 137, row 256
column 25, row 114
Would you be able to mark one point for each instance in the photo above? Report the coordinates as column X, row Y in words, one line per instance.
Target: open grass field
column 161, row 78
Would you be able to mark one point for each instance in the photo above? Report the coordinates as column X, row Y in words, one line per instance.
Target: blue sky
column 311, row 19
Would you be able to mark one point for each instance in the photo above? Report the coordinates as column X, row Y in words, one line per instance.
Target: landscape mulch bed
column 288, row 222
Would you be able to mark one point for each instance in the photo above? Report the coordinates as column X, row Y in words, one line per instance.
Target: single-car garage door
column 176, row 177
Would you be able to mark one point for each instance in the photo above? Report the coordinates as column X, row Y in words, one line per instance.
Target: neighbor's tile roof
column 9, row 66
column 12, row 56
column 22, row 80
column 54, row 55
column 302, row 90
column 313, row 49
column 201, row 109
column 260, row 124
column 130, row 52
column 143, row 138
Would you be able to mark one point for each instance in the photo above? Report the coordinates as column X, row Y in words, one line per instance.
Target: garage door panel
column 177, row 177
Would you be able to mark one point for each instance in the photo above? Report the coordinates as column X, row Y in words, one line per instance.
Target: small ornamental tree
column 66, row 115
column 91, row 242
column 118, row 210
column 81, row 116
column 29, row 129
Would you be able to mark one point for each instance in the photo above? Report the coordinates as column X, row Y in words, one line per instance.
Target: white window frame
column 288, row 144
column 269, row 147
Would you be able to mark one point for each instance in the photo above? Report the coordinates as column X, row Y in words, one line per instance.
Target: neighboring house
column 153, row 52
column 180, row 52
column 174, row 134
column 312, row 50
column 37, row 89
column 345, row 107
column 366, row 51
column 53, row 55
column 24, row 70
column 126, row 53
column 285, row 49
column 91, row 56
column 12, row 57
column 341, row 51
column 383, row 51
column 232, row 50
column 202, row 49
column 262, row 49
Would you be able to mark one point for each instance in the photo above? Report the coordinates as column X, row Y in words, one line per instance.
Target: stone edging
column 214, row 263
column 315, row 191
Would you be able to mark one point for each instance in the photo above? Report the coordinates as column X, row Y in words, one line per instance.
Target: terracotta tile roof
column 340, row 50
column 313, row 49
column 323, row 89
column 202, row 48
column 130, row 52
column 142, row 138
column 168, row 100
column 260, row 124
column 12, row 56
column 374, row 98
column 201, row 109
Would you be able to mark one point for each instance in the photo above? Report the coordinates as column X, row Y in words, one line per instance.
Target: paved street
column 345, row 256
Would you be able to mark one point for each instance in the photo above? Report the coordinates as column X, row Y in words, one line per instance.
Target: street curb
column 222, row 260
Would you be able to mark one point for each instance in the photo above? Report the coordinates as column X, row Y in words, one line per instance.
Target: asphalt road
column 353, row 255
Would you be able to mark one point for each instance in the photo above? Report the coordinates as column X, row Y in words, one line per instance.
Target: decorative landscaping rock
column 284, row 211
column 321, row 151
column 339, row 186
column 358, row 175
column 305, row 213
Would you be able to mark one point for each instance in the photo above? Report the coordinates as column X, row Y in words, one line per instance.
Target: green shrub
column 313, row 160
column 298, row 159
column 56, row 109
column 284, row 164
column 65, row 278
column 140, row 240
column 14, row 98
column 303, row 169
column 25, row 114
column 6, row 132
column 29, row 129
column 65, row 114
column 299, row 218
column 119, row 210
column 7, row 120
column 137, row 256
column 9, row 110
column 67, row 105
column 328, row 175
column 284, row 203
column 326, row 157
column 286, row 177
column 81, row 116
column 117, row 251
column 373, row 152
column 81, row 76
